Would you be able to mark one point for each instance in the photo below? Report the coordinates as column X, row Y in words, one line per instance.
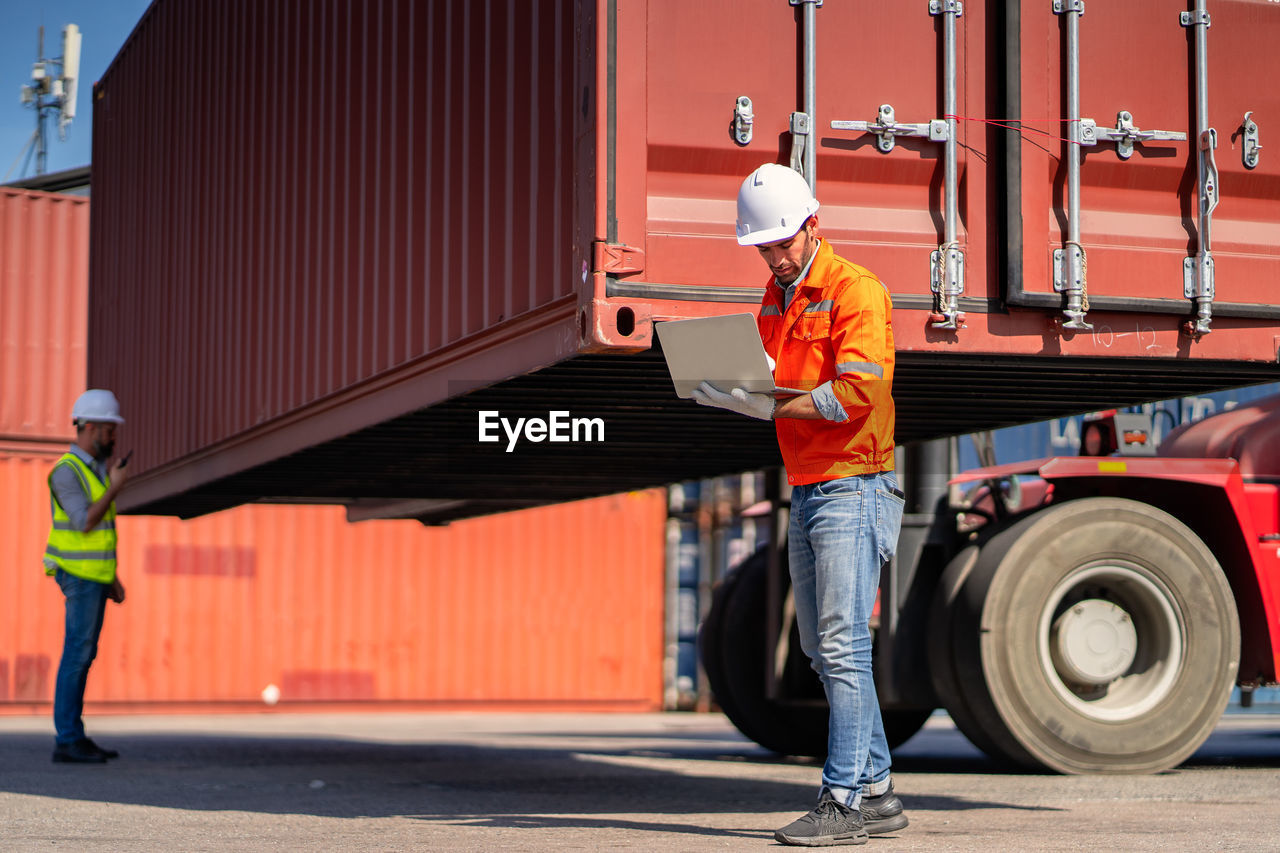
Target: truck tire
column 710, row 654
column 1096, row 636
column 941, row 645
column 733, row 646
column 901, row 724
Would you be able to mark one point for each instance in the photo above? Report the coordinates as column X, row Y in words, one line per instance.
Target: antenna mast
column 52, row 90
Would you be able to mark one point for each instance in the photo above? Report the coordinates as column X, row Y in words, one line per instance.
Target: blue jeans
column 842, row 532
column 86, row 605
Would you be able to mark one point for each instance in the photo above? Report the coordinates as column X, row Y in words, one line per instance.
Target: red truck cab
column 1103, row 625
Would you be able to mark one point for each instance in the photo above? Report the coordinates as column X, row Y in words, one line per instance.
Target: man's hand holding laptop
column 753, row 405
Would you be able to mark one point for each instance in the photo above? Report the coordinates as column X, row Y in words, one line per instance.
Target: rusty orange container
column 44, row 280
column 554, row 607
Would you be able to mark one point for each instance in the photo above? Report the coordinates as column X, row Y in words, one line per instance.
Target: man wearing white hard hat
column 81, row 556
column 826, row 324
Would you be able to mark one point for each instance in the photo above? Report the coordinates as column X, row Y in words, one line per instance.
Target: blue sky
column 104, row 25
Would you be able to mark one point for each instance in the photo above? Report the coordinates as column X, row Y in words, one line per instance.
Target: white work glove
column 738, row 400
column 773, row 365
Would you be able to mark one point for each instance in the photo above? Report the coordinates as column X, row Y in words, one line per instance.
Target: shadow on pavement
column 462, row 783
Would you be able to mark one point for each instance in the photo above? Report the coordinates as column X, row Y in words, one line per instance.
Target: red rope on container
column 1014, row 124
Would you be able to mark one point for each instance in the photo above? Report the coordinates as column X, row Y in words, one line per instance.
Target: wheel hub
column 1093, row 642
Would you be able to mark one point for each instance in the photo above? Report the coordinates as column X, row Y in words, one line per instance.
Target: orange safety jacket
column 838, row 329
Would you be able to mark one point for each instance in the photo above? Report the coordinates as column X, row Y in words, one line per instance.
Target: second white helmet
column 773, row 204
column 97, row 405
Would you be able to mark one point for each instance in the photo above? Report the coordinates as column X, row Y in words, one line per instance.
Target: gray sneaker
column 883, row 813
column 828, row 825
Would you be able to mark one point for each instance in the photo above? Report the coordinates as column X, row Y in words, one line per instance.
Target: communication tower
column 52, row 90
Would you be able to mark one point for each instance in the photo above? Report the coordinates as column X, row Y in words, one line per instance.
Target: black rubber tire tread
column 942, row 651
column 732, row 646
column 787, row 729
column 983, row 724
column 901, row 725
column 998, row 611
column 710, row 632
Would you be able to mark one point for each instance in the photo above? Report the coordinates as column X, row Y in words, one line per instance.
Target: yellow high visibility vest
column 91, row 555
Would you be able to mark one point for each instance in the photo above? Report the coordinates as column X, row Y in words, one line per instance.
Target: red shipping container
column 488, row 205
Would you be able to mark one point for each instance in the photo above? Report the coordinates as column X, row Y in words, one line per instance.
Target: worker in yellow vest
column 81, row 556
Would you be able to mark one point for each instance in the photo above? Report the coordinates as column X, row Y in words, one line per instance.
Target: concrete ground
column 583, row 782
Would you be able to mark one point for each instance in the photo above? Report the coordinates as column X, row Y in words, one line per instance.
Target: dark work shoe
column 77, row 753
column 828, row 825
column 105, row 753
column 883, row 813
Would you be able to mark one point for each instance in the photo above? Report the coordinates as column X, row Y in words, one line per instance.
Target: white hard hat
column 97, row 405
column 773, row 204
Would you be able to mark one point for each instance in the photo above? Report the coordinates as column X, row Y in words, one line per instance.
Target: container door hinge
column 1197, row 276
column 946, row 280
column 617, row 259
column 1197, row 285
column 1250, row 145
column 1070, row 276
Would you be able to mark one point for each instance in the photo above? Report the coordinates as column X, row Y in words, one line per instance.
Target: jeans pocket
column 889, row 505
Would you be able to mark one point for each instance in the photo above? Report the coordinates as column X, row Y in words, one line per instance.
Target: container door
column 707, row 62
column 1243, row 64
column 1139, row 185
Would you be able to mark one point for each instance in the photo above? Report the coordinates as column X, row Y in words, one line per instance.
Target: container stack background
column 558, row 607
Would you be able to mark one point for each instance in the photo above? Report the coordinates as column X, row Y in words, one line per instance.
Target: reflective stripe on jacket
column 838, row 329
column 91, row 555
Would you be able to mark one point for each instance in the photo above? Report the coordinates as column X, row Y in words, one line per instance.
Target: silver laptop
column 725, row 351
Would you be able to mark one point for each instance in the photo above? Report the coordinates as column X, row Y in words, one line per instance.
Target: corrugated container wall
column 554, row 607
column 44, row 270
column 451, row 206
column 550, row 607
column 394, row 215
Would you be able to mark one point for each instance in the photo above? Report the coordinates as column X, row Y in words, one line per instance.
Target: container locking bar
column 1197, row 271
column 804, row 154
column 886, row 127
column 1069, row 263
column 1124, row 134
column 946, row 263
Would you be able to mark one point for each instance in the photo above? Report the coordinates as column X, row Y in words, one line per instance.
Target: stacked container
column 381, row 612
